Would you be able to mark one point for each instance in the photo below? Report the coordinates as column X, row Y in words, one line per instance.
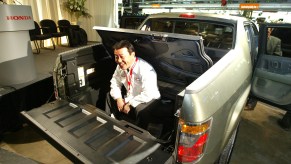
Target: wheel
column 225, row 156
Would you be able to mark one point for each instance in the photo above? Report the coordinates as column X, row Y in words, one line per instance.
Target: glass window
column 160, row 25
column 279, row 42
column 131, row 22
column 214, row 35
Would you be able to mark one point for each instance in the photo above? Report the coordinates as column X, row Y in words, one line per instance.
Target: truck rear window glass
column 214, row 35
column 131, row 22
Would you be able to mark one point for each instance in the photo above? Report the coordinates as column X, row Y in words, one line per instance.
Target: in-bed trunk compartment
column 87, row 135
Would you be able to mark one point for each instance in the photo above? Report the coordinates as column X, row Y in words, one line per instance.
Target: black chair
column 51, row 27
column 37, row 34
column 64, row 26
column 76, row 35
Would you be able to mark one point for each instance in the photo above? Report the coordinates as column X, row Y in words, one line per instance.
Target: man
column 273, row 44
column 140, row 82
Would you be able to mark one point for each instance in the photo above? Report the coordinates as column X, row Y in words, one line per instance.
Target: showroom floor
column 259, row 140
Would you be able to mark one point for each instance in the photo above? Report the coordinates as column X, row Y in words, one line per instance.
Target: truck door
column 271, row 80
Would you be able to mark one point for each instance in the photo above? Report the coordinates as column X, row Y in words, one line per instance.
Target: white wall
column 103, row 14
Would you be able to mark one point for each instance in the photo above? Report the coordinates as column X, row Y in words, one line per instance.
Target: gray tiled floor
column 27, row 143
column 259, row 140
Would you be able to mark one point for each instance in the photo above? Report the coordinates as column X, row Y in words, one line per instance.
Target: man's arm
column 278, row 50
column 115, row 92
column 116, row 85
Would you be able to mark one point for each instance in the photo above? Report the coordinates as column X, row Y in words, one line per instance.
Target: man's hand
column 126, row 108
column 120, row 104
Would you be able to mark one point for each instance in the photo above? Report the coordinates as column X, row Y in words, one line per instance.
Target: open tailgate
column 87, row 135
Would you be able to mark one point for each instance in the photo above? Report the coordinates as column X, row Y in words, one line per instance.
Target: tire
column 225, row 156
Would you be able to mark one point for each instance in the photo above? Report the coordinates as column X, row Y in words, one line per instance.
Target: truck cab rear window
column 214, row 35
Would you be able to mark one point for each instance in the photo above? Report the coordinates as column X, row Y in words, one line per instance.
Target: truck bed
column 86, row 134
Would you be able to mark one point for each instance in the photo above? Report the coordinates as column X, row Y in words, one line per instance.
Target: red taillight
column 189, row 154
column 187, row 15
column 192, row 140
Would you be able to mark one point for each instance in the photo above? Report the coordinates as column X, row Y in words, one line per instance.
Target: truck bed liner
column 87, row 135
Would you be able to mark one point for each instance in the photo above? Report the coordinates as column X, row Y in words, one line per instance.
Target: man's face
column 123, row 58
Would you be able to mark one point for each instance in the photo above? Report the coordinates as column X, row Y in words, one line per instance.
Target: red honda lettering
column 18, row 17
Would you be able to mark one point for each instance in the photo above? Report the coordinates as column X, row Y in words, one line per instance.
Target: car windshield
column 214, row 35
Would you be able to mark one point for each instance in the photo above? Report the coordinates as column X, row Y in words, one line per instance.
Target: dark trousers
column 139, row 115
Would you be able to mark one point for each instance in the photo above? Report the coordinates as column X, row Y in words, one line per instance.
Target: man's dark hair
column 124, row 44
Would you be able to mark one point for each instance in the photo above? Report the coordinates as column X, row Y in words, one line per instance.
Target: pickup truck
column 207, row 66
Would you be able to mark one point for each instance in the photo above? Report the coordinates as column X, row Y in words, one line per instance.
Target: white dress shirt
column 143, row 86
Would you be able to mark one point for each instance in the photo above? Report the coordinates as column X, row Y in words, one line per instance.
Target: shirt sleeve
column 278, row 50
column 116, row 85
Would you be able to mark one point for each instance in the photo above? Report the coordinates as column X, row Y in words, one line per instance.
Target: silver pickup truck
column 207, row 66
